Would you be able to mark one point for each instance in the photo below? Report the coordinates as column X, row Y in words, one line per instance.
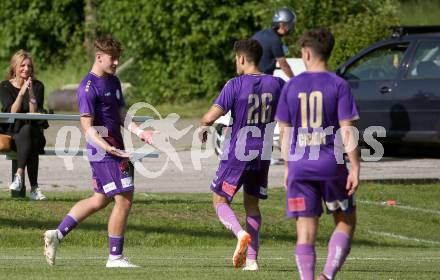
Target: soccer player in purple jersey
column 101, row 106
column 252, row 98
column 313, row 106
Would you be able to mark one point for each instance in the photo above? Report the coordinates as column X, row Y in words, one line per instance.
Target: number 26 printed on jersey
column 254, row 102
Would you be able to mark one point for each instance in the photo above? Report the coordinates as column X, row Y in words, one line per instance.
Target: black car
column 396, row 84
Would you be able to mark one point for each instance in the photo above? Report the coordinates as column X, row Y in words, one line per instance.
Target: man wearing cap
column 283, row 22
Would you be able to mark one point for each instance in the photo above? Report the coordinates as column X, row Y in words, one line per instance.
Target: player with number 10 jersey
column 314, row 107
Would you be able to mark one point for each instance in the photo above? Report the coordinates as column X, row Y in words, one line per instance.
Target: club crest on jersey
column 228, row 188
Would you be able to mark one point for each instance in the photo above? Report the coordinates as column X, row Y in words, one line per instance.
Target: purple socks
column 228, row 218
column 253, row 224
column 305, row 261
column 338, row 249
column 116, row 246
column 66, row 226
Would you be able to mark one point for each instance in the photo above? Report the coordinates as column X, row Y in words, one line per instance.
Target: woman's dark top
column 8, row 94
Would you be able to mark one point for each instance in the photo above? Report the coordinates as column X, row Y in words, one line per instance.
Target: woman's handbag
column 5, row 143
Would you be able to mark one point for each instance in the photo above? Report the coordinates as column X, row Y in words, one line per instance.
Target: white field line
column 410, row 208
column 402, row 237
column 412, row 259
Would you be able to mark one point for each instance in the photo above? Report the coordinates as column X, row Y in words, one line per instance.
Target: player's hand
column 352, row 182
column 147, row 136
column 202, row 133
column 117, row 152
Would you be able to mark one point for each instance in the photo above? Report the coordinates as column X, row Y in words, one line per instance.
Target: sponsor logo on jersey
column 127, row 182
column 228, row 188
column 109, row 187
column 296, row 204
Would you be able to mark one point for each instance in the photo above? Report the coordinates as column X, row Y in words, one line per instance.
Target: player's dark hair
column 320, row 40
column 108, row 45
column 249, row 48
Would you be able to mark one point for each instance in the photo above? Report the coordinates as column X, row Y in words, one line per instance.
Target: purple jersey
column 252, row 100
column 313, row 103
column 101, row 97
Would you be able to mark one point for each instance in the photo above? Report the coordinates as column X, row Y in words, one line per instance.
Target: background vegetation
column 181, row 50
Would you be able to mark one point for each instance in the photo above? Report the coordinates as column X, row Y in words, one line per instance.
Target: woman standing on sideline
column 22, row 93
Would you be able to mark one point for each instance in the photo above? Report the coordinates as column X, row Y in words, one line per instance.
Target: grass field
column 177, row 236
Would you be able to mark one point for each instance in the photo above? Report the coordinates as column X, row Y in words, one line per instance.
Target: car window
column 426, row 61
column 380, row 64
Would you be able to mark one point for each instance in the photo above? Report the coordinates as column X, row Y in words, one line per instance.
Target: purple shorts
column 112, row 177
column 228, row 182
column 304, row 197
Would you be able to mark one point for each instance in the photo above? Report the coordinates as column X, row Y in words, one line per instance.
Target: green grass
column 177, row 236
column 57, row 76
column 420, row 12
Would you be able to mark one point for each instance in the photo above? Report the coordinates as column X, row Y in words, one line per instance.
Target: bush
column 49, row 29
column 183, row 49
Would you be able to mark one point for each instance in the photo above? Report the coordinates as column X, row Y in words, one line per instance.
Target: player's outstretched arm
column 351, row 148
column 212, row 115
column 208, row 119
column 93, row 136
column 285, row 67
column 145, row 135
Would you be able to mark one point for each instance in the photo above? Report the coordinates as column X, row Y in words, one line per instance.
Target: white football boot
column 51, row 243
column 251, row 265
column 121, row 262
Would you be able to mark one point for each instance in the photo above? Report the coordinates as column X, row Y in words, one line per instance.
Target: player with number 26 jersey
column 252, row 100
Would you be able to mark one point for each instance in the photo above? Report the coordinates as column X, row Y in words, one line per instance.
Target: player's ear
column 98, row 56
column 306, row 54
column 241, row 59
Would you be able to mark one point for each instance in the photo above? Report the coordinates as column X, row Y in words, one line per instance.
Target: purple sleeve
column 283, row 114
column 347, row 109
column 86, row 100
column 225, row 100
